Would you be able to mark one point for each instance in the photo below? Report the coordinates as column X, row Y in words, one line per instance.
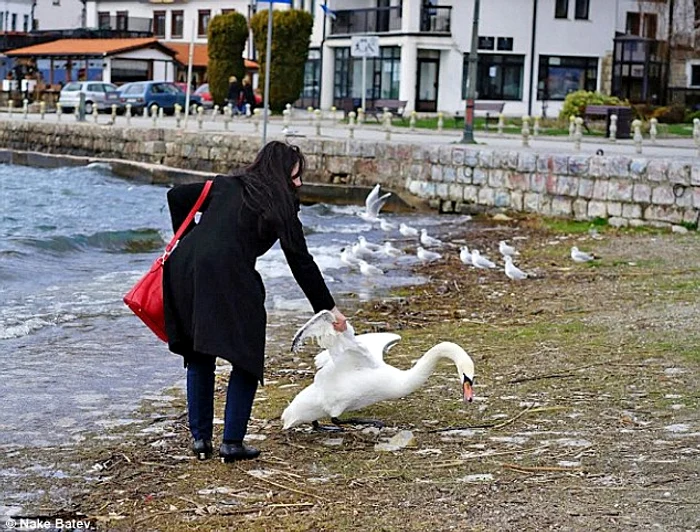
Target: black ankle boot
column 203, row 449
column 230, row 452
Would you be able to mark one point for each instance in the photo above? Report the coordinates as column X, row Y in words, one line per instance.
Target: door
column 427, row 89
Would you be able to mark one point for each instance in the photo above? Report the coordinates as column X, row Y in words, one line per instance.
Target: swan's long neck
column 415, row 377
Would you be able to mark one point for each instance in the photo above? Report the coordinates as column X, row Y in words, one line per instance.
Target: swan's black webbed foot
column 358, row 421
column 326, row 428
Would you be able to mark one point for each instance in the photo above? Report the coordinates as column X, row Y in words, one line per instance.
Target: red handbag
column 145, row 299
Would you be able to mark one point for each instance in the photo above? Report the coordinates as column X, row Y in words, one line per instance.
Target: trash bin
column 624, row 122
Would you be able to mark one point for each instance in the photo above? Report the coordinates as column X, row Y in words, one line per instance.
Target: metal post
column 188, row 89
column 268, row 58
column 468, row 137
column 364, row 83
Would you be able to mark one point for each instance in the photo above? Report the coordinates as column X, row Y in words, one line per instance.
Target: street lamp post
column 468, row 137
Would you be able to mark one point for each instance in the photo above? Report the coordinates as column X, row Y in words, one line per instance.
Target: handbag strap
column 176, row 237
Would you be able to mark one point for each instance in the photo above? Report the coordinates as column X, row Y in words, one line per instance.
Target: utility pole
column 468, row 137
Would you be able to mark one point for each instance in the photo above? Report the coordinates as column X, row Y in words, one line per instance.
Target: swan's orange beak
column 468, row 392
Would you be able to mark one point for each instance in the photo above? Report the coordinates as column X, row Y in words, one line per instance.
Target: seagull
column 368, row 245
column 481, row 262
column 429, row 241
column 386, row 226
column 348, row 258
column 581, row 256
column 369, row 270
column 373, row 204
column 390, row 250
column 512, row 271
column 506, row 250
column 359, row 251
column 465, row 256
column 406, row 230
column 427, row 256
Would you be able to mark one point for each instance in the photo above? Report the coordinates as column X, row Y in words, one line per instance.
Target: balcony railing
column 375, row 20
column 436, row 19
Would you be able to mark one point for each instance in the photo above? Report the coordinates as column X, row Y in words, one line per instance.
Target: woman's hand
column 341, row 322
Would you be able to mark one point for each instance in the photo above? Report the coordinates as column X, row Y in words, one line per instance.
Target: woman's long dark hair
column 268, row 186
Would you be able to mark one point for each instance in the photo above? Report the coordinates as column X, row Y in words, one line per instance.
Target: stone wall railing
column 627, row 190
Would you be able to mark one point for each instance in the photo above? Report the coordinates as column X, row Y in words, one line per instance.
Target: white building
column 59, row 14
column 530, row 51
column 16, row 16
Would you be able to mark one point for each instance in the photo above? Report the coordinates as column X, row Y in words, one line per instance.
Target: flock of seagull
column 360, row 253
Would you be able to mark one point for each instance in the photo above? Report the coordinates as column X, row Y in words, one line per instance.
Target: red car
column 203, row 92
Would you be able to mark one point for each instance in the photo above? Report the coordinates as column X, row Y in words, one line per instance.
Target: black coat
column 234, row 92
column 214, row 298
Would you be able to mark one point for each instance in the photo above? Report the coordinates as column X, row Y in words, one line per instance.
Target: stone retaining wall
column 627, row 190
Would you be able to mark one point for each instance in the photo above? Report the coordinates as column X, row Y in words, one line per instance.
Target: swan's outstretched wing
column 343, row 348
column 377, row 344
column 320, row 327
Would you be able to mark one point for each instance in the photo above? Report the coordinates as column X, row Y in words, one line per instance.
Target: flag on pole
column 328, row 11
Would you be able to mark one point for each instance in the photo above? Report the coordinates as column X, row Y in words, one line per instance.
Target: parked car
column 203, row 92
column 97, row 93
column 162, row 94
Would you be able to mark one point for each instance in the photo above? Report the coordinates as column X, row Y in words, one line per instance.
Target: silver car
column 97, row 93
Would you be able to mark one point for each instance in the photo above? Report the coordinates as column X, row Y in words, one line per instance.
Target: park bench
column 492, row 110
column 601, row 112
column 395, row 107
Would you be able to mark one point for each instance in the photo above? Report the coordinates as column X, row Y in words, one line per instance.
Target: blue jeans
column 200, row 399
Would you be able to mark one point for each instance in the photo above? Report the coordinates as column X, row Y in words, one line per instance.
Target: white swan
column 353, row 375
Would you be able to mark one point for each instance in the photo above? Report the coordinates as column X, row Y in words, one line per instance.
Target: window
column 13, row 26
column 103, row 21
column 558, row 76
column 383, row 74
column 177, row 24
column 487, row 43
column 159, row 23
column 642, row 24
column 505, row 44
column 122, row 20
column 25, row 23
column 312, row 79
column 650, row 23
column 227, row 11
column 203, row 17
column 499, row 77
column 694, row 77
column 581, row 9
column 561, row 9
column 57, row 2
column 2, row 21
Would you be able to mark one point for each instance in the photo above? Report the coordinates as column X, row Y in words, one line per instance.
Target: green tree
column 291, row 32
column 226, row 39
